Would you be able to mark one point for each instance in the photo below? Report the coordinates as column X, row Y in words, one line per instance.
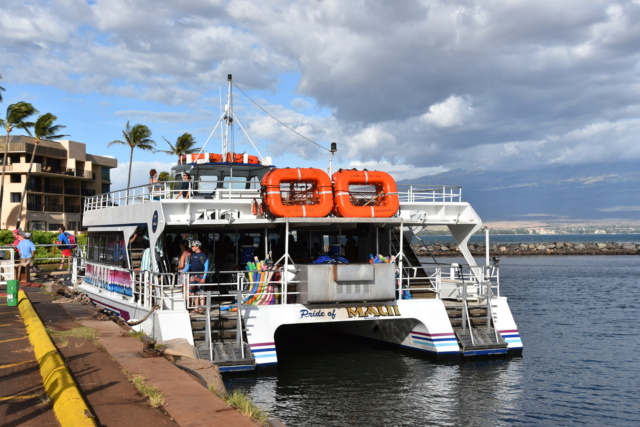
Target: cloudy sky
column 413, row 87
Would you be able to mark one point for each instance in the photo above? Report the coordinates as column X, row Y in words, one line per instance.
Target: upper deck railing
column 227, row 190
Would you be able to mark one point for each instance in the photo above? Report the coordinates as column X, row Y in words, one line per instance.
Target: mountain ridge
column 593, row 192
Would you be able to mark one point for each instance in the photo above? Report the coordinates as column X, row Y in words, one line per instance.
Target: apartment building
column 62, row 176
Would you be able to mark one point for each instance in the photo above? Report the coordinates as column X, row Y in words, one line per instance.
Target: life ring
column 252, row 160
column 235, row 157
column 297, row 193
column 241, row 158
column 194, row 157
column 383, row 204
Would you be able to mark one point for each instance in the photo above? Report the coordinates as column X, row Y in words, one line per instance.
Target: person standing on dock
column 65, row 247
column 26, row 249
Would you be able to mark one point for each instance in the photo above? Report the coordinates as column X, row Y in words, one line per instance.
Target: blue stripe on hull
column 485, row 352
column 236, row 368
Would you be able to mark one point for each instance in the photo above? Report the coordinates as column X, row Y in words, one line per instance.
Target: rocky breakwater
column 551, row 248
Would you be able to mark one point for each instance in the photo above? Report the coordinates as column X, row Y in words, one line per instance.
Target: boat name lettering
column 374, row 311
column 304, row 313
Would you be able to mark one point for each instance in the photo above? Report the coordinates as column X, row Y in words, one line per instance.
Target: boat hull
column 162, row 325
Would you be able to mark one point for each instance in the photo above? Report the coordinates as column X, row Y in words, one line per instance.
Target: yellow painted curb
column 68, row 404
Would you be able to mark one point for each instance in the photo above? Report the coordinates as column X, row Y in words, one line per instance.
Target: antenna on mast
column 334, row 148
column 228, row 117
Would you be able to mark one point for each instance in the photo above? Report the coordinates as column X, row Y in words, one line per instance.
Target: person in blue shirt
column 65, row 247
column 199, row 264
column 26, row 249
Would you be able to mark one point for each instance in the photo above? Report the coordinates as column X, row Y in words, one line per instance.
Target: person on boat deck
column 184, row 263
column 154, row 187
column 65, row 247
column 139, row 238
column 351, row 249
column 184, row 188
column 199, row 263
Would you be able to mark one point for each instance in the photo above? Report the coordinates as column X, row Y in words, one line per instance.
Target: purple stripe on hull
column 124, row 314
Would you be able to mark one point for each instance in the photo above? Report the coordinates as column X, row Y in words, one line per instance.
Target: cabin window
column 207, row 184
column 237, row 183
column 254, row 183
column 108, row 248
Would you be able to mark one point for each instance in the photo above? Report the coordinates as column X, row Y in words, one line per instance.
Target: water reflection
column 348, row 382
column 577, row 319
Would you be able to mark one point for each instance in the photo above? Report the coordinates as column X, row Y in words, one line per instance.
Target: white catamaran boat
column 290, row 246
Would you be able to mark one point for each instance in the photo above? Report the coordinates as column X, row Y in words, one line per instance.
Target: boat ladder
column 474, row 329
column 219, row 337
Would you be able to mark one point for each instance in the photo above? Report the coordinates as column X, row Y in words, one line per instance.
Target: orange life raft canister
column 299, row 192
column 377, row 196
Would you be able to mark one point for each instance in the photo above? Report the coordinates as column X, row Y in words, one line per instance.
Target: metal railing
column 169, row 190
column 430, row 193
column 226, row 190
column 9, row 261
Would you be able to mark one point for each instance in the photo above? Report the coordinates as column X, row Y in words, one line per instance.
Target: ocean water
column 578, row 319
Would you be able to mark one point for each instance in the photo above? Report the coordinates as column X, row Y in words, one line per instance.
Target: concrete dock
column 84, row 381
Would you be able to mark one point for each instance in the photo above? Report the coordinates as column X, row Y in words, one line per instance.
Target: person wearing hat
column 26, row 249
column 198, row 264
column 17, row 236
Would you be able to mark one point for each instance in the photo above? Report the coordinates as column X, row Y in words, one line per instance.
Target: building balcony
column 53, row 207
column 72, row 209
column 54, row 189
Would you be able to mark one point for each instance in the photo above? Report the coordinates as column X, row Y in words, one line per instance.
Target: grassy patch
column 79, row 332
column 241, row 401
column 156, row 399
column 137, row 334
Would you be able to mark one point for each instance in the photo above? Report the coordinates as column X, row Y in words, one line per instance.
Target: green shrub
column 42, row 238
column 6, row 237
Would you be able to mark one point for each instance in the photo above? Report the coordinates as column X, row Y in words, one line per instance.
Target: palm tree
column 43, row 129
column 1, row 90
column 184, row 145
column 138, row 136
column 16, row 119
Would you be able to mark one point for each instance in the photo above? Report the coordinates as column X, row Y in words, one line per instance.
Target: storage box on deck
column 329, row 283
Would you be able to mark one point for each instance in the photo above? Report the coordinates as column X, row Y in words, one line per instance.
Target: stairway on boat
column 136, row 257
column 479, row 338
column 226, row 351
column 420, row 286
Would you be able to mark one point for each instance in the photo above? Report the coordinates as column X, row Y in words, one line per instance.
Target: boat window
column 238, row 182
column 207, row 184
column 107, row 248
column 254, row 183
